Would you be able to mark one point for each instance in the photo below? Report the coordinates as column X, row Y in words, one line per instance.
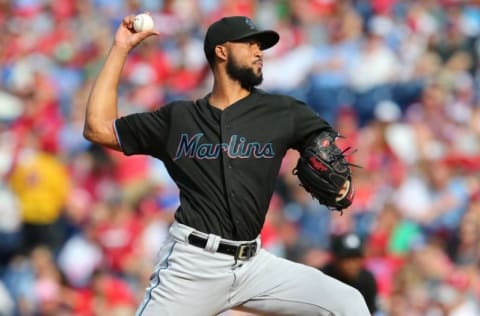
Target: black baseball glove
column 324, row 172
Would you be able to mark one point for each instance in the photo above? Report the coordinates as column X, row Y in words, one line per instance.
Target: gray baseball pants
column 192, row 281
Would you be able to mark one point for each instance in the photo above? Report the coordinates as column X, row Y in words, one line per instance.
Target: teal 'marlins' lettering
column 237, row 147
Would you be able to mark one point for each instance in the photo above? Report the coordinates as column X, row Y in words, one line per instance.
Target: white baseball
column 142, row 22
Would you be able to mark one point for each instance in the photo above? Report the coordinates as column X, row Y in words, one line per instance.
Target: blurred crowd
column 80, row 225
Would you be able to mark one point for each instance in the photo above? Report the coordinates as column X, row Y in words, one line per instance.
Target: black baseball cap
column 235, row 28
column 347, row 246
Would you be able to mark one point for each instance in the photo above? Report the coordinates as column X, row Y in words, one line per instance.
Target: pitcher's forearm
column 102, row 102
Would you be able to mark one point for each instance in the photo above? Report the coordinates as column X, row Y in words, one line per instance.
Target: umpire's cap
column 235, row 28
column 347, row 246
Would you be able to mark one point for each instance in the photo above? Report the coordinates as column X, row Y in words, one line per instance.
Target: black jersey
column 365, row 282
column 225, row 162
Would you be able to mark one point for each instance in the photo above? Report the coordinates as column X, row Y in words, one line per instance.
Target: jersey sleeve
column 143, row 133
column 306, row 123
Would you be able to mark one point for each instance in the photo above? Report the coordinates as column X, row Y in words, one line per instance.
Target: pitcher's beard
column 246, row 76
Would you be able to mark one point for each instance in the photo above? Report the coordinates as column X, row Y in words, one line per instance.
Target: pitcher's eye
column 255, row 42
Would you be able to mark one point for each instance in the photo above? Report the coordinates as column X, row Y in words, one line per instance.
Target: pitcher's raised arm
column 102, row 102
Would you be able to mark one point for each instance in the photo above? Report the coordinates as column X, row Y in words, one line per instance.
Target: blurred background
column 80, row 225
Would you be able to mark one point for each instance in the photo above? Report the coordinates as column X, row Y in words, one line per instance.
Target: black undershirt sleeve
column 306, row 124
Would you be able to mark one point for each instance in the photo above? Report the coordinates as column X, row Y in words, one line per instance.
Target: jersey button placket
column 227, row 161
column 227, row 132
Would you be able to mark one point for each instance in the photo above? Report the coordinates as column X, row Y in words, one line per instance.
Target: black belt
column 243, row 251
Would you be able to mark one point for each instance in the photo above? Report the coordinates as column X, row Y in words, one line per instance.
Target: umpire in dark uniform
column 347, row 265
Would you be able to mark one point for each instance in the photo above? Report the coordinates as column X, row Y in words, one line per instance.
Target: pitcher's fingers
column 146, row 34
column 128, row 21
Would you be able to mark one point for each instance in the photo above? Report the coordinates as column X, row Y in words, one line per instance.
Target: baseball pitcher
column 224, row 152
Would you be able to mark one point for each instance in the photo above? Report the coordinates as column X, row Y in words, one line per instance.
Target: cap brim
column 267, row 38
column 349, row 254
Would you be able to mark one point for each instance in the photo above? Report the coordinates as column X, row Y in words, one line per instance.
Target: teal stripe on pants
column 157, row 282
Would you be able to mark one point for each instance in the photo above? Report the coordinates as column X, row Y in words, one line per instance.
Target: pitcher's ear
column 221, row 52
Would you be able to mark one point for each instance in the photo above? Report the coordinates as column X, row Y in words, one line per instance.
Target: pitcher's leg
column 186, row 281
column 282, row 287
